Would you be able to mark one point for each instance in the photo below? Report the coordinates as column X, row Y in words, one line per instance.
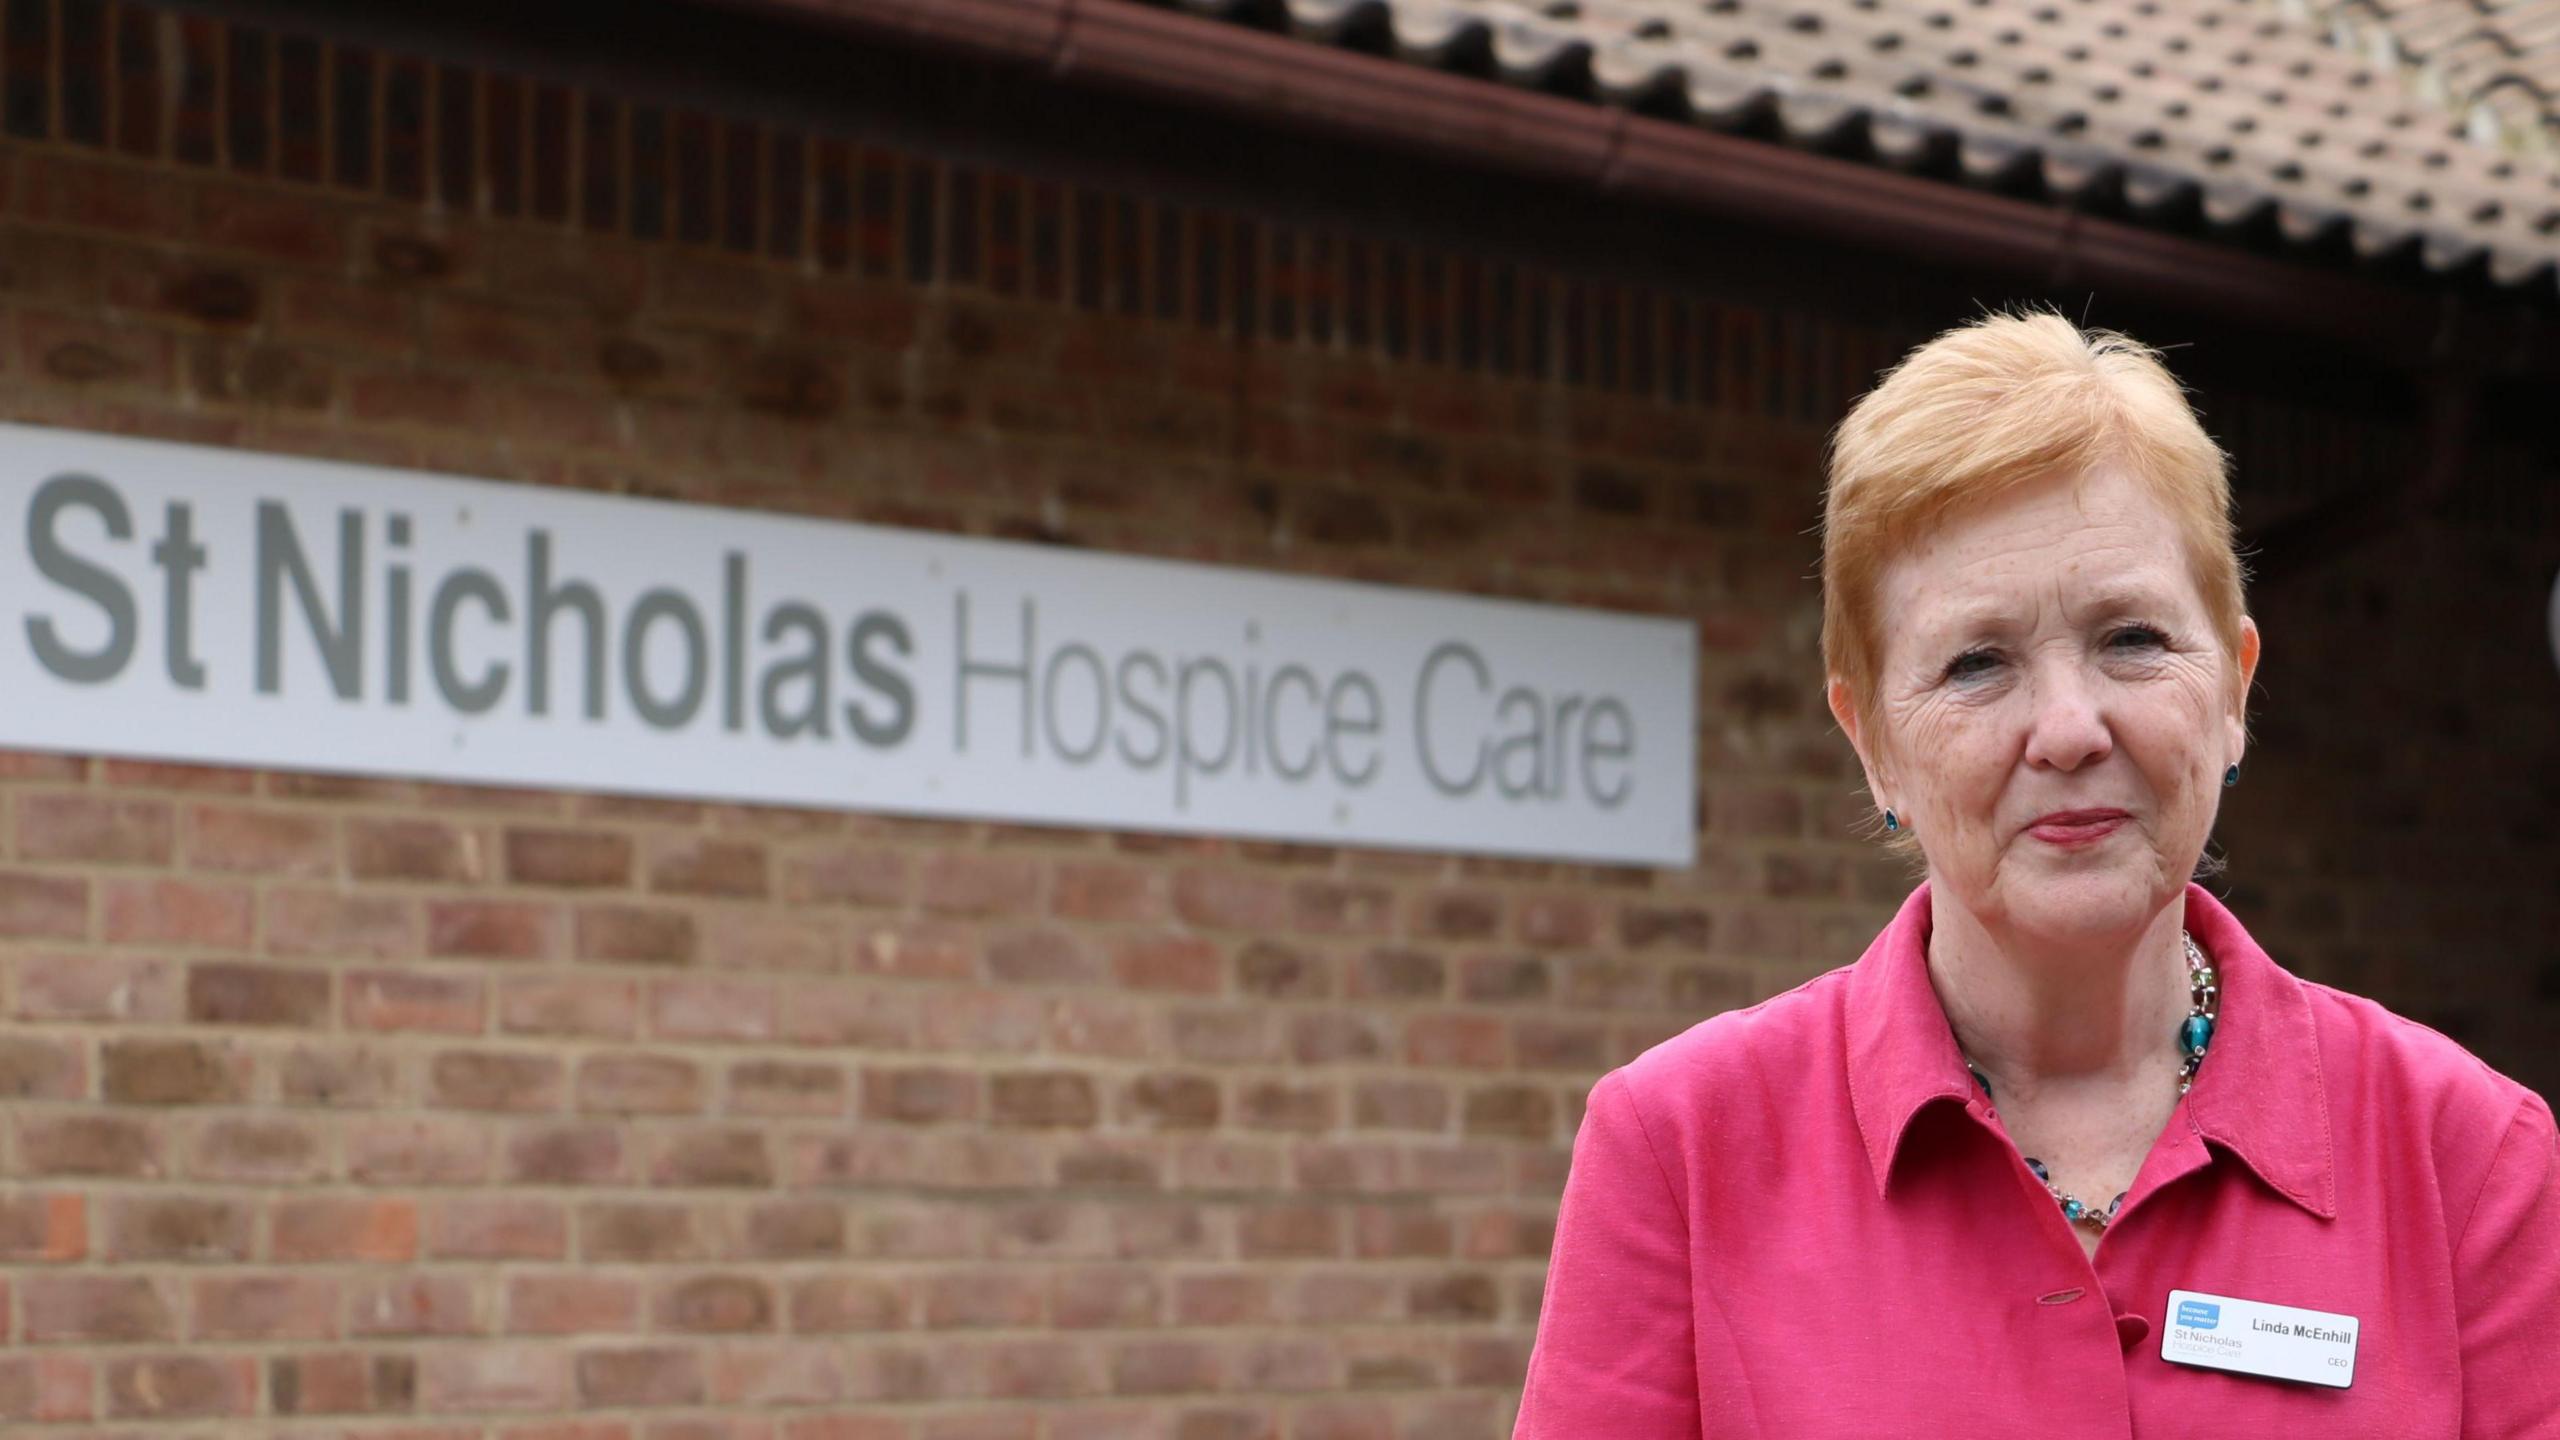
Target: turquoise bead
column 2072, row 1210
column 2195, row 1034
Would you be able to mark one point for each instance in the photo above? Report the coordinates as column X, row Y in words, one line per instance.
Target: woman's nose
column 2069, row 724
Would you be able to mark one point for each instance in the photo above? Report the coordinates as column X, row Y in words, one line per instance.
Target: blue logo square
column 2199, row 1314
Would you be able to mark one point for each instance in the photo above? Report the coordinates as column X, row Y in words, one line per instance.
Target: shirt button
column 2131, row 1328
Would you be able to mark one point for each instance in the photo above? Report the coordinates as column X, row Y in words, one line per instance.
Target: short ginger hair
column 1990, row 406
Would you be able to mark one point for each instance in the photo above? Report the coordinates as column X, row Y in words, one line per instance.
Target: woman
column 1819, row 1216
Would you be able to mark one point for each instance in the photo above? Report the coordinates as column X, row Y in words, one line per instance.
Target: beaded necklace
column 2204, row 1001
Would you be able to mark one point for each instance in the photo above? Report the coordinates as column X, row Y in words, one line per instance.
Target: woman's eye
column 1971, row 663
column 2137, row 637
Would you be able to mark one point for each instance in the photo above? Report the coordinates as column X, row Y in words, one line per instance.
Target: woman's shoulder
column 1736, row 1049
column 2373, row 1057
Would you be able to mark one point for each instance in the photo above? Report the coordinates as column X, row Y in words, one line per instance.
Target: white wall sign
column 215, row 605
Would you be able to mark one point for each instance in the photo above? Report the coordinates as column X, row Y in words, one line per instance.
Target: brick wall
column 374, row 1107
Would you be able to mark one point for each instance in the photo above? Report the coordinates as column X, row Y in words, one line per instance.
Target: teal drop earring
column 2231, row 776
column 1892, row 823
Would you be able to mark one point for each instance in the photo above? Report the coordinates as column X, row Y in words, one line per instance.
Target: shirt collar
column 2258, row 1095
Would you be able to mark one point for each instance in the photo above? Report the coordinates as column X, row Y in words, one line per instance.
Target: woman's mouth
column 2071, row 829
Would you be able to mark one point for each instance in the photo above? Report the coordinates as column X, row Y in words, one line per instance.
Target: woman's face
column 2054, row 708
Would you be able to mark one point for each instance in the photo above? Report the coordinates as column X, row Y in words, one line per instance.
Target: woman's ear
column 2247, row 664
column 1844, row 709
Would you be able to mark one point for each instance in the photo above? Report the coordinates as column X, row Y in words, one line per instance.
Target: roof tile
column 2235, row 113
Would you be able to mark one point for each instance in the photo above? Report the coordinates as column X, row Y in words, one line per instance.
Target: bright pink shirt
column 1803, row 1220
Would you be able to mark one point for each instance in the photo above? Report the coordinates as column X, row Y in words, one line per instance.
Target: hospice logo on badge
column 2199, row 1315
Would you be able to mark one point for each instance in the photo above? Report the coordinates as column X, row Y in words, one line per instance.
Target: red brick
column 341, row 1383
column 915, row 952
column 1101, row 891
column 40, row 1388
column 1284, row 972
column 97, row 1309
column 700, row 865
column 1228, row 1298
column 571, row 1304
column 1224, row 1036
column 1118, row 1297
column 854, row 875
column 162, row 1227
column 57, row 985
column 383, row 1230
column 566, row 1155
column 1523, row 1112
column 1042, row 957
column 43, row 1228
column 422, row 850
column 962, row 884
column 96, row 195
column 337, row 925
column 795, row 1230
column 223, row 993
column 724, row 1158
column 640, row 1084
column 170, row 775
column 35, row 1067
column 81, row 350
column 568, row 859
column 270, row 224
column 1164, row 1367
column 417, row 1150
column 640, row 1377
column 495, row 1080
column 1457, row 915
column 1289, row 1232
column 638, row 1233
column 715, row 1305
column 594, row 1006
column 279, row 844
column 1279, row 1105
column 856, row 1016
column 1046, row 1099
column 264, row 1307
column 637, row 935
column 461, row 1379
column 498, row 1227
column 709, row 1009
column 765, row 939
column 1180, row 963
column 1477, row 1042
column 409, row 1304
column 1338, row 907
column 181, row 1387
column 97, row 830
column 1564, row 921
column 1228, row 900
column 172, row 1072
column 123, row 1146
column 919, row 1095
column 259, row 1149
column 985, row 1299
column 836, row 1302
column 494, row 930
column 786, row 1088
column 49, row 907
column 344, row 1076
column 428, row 1001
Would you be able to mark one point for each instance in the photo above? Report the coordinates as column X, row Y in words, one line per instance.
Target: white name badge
column 2252, row 1337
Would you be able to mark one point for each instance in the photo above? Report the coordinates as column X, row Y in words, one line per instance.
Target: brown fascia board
column 1213, row 65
